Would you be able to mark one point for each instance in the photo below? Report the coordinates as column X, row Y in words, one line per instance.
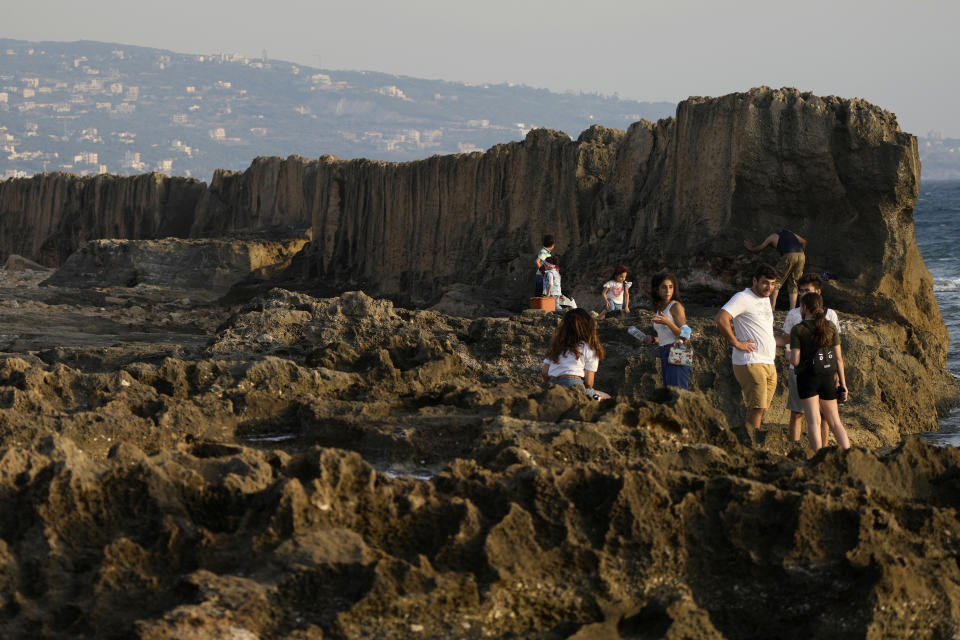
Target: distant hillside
column 89, row 107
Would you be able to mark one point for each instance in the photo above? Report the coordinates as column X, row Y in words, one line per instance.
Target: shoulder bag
column 681, row 354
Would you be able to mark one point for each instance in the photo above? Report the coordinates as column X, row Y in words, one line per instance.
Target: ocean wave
column 946, row 284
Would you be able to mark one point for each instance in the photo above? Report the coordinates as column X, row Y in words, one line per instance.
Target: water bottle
column 636, row 333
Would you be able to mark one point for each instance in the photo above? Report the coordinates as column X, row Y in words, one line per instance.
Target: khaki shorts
column 758, row 383
column 789, row 270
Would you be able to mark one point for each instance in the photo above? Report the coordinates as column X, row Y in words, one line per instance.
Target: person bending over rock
column 746, row 321
column 815, row 340
column 574, row 354
column 792, row 259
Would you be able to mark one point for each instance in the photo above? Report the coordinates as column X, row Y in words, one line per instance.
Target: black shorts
column 810, row 384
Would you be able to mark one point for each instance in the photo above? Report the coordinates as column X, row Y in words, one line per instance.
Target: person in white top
column 746, row 321
column 545, row 252
column 668, row 321
column 574, row 354
column 551, row 280
column 809, row 283
column 616, row 292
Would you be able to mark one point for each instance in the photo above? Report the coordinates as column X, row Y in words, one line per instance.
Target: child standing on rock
column 545, row 252
column 669, row 320
column 551, row 280
column 575, row 353
column 616, row 293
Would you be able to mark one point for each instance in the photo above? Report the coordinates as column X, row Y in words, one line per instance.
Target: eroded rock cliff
column 48, row 217
column 680, row 193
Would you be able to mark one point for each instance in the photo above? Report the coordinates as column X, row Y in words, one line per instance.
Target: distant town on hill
column 89, row 108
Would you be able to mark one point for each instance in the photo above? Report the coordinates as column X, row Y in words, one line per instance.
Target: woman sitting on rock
column 575, row 353
column 815, row 354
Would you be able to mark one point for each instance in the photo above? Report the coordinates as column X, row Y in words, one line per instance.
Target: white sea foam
column 270, row 437
column 421, row 475
column 946, row 284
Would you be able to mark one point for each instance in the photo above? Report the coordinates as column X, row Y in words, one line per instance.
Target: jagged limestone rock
column 681, row 193
column 208, row 265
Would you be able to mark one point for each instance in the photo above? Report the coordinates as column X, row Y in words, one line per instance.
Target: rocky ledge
column 300, row 467
column 207, row 267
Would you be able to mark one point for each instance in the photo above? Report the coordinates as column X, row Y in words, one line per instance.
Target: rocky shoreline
column 315, row 410
column 298, row 467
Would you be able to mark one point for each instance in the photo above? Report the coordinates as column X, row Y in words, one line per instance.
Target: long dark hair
column 655, row 283
column 813, row 303
column 577, row 326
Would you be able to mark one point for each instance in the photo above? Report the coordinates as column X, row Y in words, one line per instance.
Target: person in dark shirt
column 814, row 338
column 792, row 260
column 808, row 283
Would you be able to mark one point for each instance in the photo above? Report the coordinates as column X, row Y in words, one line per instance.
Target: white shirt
column 794, row 318
column 567, row 365
column 616, row 289
column 752, row 320
column 542, row 255
column 551, row 282
column 665, row 335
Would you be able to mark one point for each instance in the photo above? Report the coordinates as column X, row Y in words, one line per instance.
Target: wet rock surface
column 301, row 467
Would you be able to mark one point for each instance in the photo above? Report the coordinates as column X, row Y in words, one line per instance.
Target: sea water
column 937, row 222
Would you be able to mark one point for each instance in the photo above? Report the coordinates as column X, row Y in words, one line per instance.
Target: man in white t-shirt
column 746, row 321
column 809, row 283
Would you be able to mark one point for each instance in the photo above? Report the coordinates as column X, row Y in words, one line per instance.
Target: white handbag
column 680, row 354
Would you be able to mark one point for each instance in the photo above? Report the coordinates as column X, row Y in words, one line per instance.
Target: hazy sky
column 898, row 54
